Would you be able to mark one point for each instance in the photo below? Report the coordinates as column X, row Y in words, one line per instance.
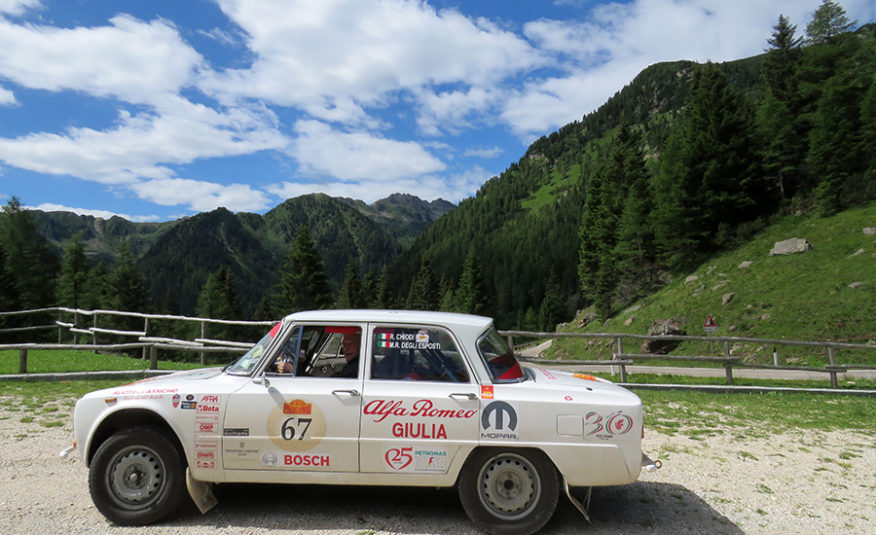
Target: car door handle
column 352, row 392
column 465, row 395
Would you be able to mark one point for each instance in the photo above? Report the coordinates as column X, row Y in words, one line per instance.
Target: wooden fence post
column 22, row 361
column 145, row 333
column 203, row 335
column 153, row 357
column 75, row 326
column 60, row 328
column 94, row 333
column 831, row 356
column 728, row 372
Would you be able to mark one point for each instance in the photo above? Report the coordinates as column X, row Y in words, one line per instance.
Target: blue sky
column 159, row 109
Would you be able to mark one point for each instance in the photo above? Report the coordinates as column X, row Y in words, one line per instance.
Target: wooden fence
column 621, row 359
column 68, row 319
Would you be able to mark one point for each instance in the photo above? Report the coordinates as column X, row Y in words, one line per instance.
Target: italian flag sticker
column 383, row 340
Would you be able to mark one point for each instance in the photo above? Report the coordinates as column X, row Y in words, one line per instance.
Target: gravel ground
column 803, row 482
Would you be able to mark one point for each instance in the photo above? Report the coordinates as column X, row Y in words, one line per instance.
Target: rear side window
column 416, row 354
column 499, row 358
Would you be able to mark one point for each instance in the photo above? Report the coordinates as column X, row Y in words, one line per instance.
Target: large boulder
column 791, row 246
column 663, row 328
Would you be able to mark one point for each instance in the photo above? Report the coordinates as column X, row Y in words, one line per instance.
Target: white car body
column 254, row 425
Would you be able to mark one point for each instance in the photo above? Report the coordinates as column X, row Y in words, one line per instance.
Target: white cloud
column 130, row 59
column 334, row 57
column 323, row 151
column 17, row 7
column 200, row 196
column 7, row 97
column 618, row 40
column 451, row 111
column 141, row 145
column 483, row 152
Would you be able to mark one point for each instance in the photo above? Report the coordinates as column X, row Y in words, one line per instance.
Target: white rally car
column 364, row 397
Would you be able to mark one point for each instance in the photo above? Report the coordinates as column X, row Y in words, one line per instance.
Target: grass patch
column 61, row 361
column 756, row 414
column 804, row 297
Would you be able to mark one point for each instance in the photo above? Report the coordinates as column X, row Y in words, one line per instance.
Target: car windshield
column 499, row 358
column 245, row 363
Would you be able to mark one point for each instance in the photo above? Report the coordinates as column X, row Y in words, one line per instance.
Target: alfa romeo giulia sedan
column 363, row 397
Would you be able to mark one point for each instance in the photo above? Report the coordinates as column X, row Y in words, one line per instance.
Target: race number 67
column 290, row 428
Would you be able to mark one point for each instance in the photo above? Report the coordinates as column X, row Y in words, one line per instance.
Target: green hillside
column 685, row 162
column 804, row 296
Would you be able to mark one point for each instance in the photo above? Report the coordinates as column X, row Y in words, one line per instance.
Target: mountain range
column 177, row 256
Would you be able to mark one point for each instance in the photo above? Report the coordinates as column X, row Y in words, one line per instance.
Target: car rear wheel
column 509, row 492
column 136, row 477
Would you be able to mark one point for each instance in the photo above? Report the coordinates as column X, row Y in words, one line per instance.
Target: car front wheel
column 136, row 477
column 509, row 491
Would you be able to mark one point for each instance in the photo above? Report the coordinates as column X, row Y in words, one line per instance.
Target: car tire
column 509, row 491
column 136, row 477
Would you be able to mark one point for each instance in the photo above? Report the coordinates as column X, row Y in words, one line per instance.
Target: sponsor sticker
column 499, row 421
column 607, row 427
column 415, row 459
column 487, row 392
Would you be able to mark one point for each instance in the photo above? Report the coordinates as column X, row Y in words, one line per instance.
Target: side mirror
column 262, row 379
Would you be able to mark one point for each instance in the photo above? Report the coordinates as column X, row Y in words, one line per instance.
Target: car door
column 420, row 404
column 306, row 419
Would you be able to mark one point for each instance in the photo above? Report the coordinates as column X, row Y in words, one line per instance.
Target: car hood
column 567, row 381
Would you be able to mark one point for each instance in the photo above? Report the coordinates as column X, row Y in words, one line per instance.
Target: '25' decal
column 398, row 458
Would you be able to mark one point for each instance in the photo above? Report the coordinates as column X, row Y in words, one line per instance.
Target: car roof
column 448, row 319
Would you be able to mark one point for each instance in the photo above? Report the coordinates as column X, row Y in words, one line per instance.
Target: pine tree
column 709, row 179
column 73, row 285
column 828, row 21
column 471, row 296
column 218, row 300
column 552, row 309
column 29, row 259
column 218, row 297
column 635, row 254
column 779, row 123
column 604, row 207
column 424, row 289
column 125, row 290
column 596, row 233
column 351, row 294
column 303, row 282
column 125, row 286
column 383, row 294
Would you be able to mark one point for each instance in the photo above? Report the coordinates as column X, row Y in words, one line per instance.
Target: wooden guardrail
column 203, row 345
column 145, row 341
column 622, row 359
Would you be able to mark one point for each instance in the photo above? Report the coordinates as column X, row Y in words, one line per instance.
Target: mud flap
column 582, row 508
column 201, row 493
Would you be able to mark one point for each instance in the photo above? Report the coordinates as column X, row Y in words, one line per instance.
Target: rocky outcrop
column 791, row 246
column 663, row 328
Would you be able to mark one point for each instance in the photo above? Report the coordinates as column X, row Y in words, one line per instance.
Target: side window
column 322, row 351
column 416, row 354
